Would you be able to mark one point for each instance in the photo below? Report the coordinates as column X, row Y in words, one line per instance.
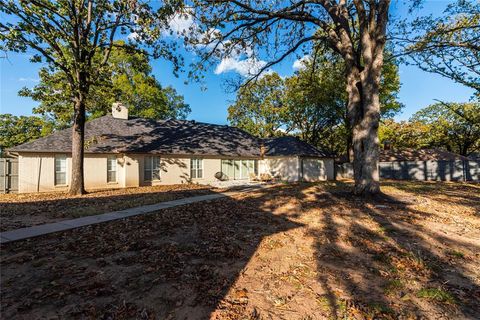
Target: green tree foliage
column 447, row 45
column 317, row 100
column 311, row 104
column 259, row 107
column 404, row 134
column 453, row 126
column 17, row 130
column 76, row 38
column 126, row 78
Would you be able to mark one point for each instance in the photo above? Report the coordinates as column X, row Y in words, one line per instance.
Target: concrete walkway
column 35, row 231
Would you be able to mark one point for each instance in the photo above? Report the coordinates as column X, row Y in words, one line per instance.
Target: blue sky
column 419, row 89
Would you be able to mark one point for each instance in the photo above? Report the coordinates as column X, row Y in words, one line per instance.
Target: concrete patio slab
column 35, row 231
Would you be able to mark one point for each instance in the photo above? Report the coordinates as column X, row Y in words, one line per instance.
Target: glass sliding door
column 244, row 172
column 237, row 165
column 228, row 169
column 239, row 169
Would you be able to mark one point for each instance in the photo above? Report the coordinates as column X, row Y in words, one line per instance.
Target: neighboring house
column 122, row 152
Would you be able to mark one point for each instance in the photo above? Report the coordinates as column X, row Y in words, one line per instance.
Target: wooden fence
column 458, row 170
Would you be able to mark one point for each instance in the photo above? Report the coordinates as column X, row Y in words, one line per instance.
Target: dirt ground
column 307, row 251
column 25, row 210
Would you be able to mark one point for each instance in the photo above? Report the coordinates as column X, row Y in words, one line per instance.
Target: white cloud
column 300, row 63
column 28, row 79
column 241, row 60
column 179, row 24
column 245, row 67
column 133, row 36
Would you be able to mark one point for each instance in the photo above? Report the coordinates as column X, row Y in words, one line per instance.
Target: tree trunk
column 77, row 186
column 349, row 141
column 364, row 115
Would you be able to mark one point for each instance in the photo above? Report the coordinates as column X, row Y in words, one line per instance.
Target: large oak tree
column 69, row 35
column 273, row 30
column 127, row 77
column 312, row 103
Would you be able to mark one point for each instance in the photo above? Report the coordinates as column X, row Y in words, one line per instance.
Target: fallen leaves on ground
column 25, row 210
column 304, row 251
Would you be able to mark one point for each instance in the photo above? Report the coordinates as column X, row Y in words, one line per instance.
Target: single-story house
column 128, row 152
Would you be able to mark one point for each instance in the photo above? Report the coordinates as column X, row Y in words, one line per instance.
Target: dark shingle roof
column 291, row 146
column 418, row 155
column 175, row 137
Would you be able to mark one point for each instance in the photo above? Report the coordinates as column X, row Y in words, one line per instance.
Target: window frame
column 55, row 178
column 152, row 170
column 198, row 168
column 109, row 161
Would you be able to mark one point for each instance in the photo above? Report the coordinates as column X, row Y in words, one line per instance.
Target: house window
column 112, row 169
column 152, row 169
column 196, row 168
column 60, row 170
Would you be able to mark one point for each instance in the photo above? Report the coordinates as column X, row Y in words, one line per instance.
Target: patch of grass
column 381, row 230
column 339, row 305
column 416, row 261
column 324, row 303
column 342, row 306
column 436, row 294
column 456, row 254
column 381, row 257
column 393, row 287
column 386, row 229
column 377, row 309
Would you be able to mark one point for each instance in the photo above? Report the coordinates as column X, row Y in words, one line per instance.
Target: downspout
column 5, row 175
column 262, row 158
column 301, row 169
column 39, row 173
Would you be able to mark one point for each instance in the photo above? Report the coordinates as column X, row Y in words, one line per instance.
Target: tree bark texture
column 77, row 186
column 364, row 115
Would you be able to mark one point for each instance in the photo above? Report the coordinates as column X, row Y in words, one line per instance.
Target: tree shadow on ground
column 369, row 259
column 382, row 262
column 463, row 193
column 179, row 263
